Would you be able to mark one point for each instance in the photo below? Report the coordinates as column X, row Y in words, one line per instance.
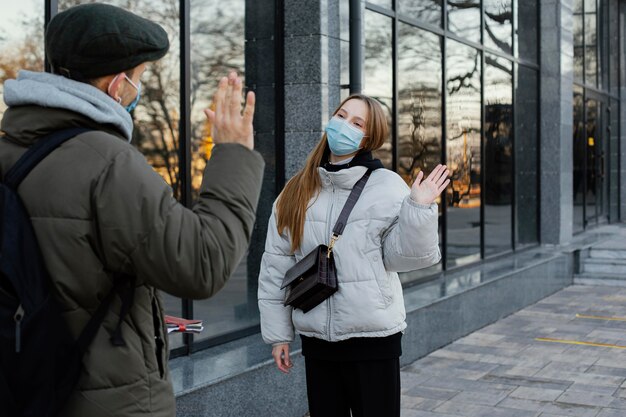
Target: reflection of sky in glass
column 428, row 11
column 464, row 18
column 498, row 27
column 419, row 102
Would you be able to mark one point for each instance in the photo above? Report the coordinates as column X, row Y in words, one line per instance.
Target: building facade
column 522, row 99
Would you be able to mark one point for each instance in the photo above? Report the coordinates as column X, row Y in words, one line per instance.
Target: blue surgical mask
column 132, row 105
column 343, row 138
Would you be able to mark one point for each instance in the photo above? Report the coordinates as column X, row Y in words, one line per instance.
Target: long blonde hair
column 294, row 199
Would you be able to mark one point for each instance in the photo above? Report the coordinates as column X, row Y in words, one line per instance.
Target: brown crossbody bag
column 314, row 278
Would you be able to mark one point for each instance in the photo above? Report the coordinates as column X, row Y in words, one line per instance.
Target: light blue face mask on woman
column 343, row 138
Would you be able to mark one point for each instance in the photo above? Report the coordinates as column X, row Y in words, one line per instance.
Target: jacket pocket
column 382, row 276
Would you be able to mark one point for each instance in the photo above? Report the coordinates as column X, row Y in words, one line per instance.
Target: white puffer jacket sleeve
column 412, row 241
column 276, row 324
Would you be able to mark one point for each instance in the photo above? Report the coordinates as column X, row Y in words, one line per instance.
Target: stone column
column 260, row 77
column 312, row 74
column 556, row 101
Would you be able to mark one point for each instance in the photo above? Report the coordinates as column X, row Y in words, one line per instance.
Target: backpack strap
column 37, row 153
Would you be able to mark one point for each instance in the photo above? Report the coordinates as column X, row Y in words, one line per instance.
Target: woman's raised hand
column 281, row 357
column 426, row 192
column 229, row 125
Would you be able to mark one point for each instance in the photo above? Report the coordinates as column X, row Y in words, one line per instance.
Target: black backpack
column 40, row 362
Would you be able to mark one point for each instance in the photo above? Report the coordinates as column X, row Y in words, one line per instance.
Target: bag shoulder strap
column 347, row 208
column 36, row 153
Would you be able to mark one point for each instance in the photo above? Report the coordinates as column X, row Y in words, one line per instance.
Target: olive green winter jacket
column 98, row 206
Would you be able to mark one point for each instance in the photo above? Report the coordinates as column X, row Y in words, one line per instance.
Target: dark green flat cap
column 94, row 40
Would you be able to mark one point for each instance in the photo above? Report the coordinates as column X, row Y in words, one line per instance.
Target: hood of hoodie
column 53, row 94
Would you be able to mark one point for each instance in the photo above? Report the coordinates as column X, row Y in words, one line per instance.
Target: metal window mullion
column 514, row 158
column 184, row 134
column 444, row 144
column 483, row 163
column 51, row 9
column 394, row 93
column 619, row 113
column 513, row 130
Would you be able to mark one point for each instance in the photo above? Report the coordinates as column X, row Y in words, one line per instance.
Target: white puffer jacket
column 387, row 233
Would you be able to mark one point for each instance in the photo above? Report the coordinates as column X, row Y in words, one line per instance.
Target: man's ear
column 112, row 84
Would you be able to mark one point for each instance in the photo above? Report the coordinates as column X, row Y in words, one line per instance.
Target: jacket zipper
column 158, row 340
column 329, row 231
column 18, row 317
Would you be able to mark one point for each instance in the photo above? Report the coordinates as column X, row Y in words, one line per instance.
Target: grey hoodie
column 49, row 90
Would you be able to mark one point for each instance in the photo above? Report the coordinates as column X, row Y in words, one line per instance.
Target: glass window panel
column 591, row 44
column 217, row 47
column 463, row 123
column 428, row 11
column 614, row 162
column 498, row 25
column 21, row 40
column 526, row 163
column 464, row 18
column 158, row 113
column 419, row 109
column 378, row 72
column 498, row 154
column 579, row 159
column 526, row 29
column 578, row 41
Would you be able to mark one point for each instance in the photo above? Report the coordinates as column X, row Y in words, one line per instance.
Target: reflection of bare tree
column 465, row 80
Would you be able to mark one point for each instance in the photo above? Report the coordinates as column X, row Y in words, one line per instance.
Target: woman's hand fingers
column 443, row 187
column 443, row 177
column 418, row 179
column 281, row 358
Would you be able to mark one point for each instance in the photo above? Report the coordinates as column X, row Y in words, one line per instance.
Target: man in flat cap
column 100, row 211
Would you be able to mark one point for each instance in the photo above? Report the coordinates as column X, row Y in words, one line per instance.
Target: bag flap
column 306, row 263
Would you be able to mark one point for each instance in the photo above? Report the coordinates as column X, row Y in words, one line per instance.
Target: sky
column 12, row 13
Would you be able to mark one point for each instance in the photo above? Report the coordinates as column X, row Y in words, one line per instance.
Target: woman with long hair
column 351, row 342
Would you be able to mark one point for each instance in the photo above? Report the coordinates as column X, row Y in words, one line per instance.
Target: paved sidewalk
column 503, row 371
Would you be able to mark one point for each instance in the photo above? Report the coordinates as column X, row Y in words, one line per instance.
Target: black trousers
column 368, row 388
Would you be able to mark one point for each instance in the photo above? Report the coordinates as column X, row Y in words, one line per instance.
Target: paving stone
column 534, row 382
column 585, row 398
column 473, row 410
column 538, row 394
column 432, row 393
column 610, row 412
column 522, row 404
column 606, row 370
column 481, row 397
